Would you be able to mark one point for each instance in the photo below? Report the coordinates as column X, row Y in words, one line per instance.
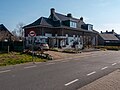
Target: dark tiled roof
column 56, row 22
column 77, row 29
column 5, row 33
column 41, row 21
column 108, row 36
column 64, row 17
column 4, row 29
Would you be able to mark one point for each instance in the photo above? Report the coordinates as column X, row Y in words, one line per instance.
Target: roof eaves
column 38, row 26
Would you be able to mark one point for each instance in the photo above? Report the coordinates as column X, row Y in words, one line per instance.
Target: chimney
column 81, row 18
column 101, row 32
column 69, row 15
column 112, row 30
column 52, row 11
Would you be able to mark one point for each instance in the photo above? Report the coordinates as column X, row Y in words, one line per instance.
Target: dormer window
column 90, row 27
column 73, row 24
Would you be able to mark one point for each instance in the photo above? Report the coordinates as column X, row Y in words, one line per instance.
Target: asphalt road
column 68, row 74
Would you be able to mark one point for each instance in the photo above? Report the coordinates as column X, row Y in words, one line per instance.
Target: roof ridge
column 66, row 16
column 41, row 20
column 56, row 17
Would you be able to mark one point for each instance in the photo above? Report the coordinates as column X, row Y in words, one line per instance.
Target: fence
column 11, row 46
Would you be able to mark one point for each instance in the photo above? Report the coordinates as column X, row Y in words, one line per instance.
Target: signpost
column 32, row 34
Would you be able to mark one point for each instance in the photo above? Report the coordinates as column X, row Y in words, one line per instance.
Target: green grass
column 17, row 58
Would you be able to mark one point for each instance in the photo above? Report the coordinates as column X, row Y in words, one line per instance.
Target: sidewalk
column 60, row 55
column 109, row 82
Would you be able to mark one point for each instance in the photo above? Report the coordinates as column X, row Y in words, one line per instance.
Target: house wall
column 84, row 38
column 103, row 42
column 100, row 40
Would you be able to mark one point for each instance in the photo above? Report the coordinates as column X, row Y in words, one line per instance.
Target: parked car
column 39, row 46
column 43, row 46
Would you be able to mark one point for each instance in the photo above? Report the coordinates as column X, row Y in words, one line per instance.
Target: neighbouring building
column 7, row 39
column 109, row 38
column 60, row 30
column 4, row 33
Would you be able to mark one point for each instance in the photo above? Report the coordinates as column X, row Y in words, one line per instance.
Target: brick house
column 4, row 33
column 60, row 30
column 8, row 39
column 109, row 38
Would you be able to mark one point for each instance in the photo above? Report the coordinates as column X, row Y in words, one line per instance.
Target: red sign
column 32, row 33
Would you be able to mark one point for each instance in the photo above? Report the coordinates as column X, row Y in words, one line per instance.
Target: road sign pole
column 33, row 50
column 32, row 34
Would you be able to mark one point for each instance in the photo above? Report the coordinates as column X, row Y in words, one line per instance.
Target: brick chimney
column 112, row 30
column 81, row 18
column 69, row 15
column 106, row 31
column 52, row 12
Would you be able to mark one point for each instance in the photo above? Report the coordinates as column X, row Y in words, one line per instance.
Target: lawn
column 13, row 58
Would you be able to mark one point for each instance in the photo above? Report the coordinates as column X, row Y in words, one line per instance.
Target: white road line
column 5, row 71
column 71, row 82
column 104, row 68
column 91, row 73
column 114, row 64
column 30, row 67
column 50, row 63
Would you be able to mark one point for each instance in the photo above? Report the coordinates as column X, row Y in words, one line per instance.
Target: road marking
column 104, row 68
column 114, row 64
column 5, row 71
column 50, row 63
column 71, row 82
column 91, row 73
column 30, row 67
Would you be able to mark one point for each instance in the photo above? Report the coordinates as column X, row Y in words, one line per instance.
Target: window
column 73, row 24
column 90, row 27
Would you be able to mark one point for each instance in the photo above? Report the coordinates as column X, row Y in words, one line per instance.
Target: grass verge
column 116, row 48
column 17, row 58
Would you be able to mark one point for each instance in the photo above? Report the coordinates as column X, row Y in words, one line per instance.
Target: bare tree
column 14, row 32
column 18, row 31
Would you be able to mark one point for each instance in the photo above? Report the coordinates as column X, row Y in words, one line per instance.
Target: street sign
column 32, row 33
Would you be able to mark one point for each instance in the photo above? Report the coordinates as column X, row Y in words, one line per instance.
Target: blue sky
column 103, row 14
